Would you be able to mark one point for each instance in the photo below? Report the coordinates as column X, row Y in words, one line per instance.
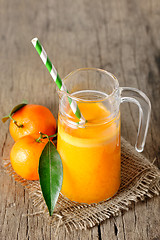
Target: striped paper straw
column 43, row 55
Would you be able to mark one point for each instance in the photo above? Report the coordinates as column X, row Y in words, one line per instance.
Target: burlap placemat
column 139, row 179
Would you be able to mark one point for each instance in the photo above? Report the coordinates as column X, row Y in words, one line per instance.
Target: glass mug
column 91, row 151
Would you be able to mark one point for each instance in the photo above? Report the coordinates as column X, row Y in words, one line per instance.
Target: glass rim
column 77, row 99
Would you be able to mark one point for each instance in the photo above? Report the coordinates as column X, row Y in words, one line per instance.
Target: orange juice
column 90, row 155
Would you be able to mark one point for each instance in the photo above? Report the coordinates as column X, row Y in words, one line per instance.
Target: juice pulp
column 90, row 155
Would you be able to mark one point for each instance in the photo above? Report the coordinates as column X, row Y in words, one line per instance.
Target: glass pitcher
column 91, row 151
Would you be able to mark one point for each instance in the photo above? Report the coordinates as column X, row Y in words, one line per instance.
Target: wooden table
column 122, row 37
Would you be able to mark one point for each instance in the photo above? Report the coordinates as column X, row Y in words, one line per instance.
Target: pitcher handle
column 136, row 96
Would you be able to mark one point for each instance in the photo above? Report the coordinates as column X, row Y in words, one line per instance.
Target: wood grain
column 119, row 36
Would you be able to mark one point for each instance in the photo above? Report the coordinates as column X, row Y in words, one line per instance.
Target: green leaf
column 50, row 175
column 4, row 119
column 15, row 109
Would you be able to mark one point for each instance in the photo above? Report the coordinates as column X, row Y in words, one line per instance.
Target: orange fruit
column 25, row 155
column 35, row 119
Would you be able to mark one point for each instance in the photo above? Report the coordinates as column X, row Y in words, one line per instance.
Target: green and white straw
column 43, row 55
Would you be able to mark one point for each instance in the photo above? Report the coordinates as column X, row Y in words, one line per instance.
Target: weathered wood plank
column 119, row 36
column 139, row 50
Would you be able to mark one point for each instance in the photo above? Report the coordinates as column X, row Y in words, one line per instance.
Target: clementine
column 25, row 155
column 32, row 119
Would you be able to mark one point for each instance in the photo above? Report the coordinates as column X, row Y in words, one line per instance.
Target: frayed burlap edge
column 140, row 179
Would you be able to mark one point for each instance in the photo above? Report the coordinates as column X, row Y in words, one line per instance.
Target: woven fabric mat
column 139, row 179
